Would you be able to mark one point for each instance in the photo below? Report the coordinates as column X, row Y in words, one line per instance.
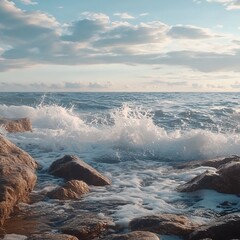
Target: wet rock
column 16, row 125
column 17, row 177
column 71, row 167
column 24, row 225
column 86, row 226
column 224, row 228
column 51, row 236
column 225, row 180
column 216, row 162
column 73, row 189
column 137, row 235
column 168, row 224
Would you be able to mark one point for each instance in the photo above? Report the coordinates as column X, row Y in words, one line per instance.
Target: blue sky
column 137, row 45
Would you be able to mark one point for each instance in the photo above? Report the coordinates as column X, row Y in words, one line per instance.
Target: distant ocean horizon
column 134, row 139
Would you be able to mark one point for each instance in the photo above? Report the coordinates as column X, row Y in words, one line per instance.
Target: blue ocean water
column 134, row 138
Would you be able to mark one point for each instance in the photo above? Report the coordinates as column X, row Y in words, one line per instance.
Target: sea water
column 135, row 139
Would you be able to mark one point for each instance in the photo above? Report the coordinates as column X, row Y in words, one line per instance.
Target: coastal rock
column 216, row 162
column 168, row 224
column 16, row 125
column 51, row 236
column 224, row 228
column 17, row 177
column 71, row 167
column 137, row 235
column 225, row 180
column 73, row 189
column 86, row 226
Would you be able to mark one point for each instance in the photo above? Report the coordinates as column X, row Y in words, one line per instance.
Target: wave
column 125, row 133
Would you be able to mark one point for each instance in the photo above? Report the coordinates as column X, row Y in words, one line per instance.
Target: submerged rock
column 16, row 125
column 73, row 189
column 224, row 228
column 72, row 167
column 137, row 235
column 17, row 177
column 51, row 236
column 225, row 180
column 86, row 226
column 168, row 224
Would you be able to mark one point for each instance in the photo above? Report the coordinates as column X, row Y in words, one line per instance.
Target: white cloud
column 190, row 32
column 143, row 14
column 236, row 85
column 229, row 4
column 37, row 38
column 100, row 17
column 124, row 15
column 65, row 86
column 29, row 2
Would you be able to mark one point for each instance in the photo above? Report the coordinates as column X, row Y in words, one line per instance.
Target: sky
column 120, row 46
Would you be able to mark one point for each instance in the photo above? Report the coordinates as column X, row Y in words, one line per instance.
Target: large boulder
column 72, row 167
column 224, row 228
column 168, row 224
column 16, row 125
column 73, row 189
column 17, row 177
column 225, row 180
column 137, row 235
column 87, row 226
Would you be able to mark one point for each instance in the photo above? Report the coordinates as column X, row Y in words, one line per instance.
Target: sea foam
column 125, row 133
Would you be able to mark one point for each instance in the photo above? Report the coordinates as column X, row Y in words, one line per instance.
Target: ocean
column 135, row 139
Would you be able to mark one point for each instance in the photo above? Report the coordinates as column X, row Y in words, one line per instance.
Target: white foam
column 133, row 134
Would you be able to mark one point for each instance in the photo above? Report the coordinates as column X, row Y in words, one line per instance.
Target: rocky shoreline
column 40, row 220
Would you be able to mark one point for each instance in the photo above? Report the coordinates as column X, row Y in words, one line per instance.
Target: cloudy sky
column 127, row 45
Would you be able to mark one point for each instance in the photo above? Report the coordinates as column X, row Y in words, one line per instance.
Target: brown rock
column 16, row 125
column 168, row 224
column 137, row 235
column 216, row 162
column 51, row 236
column 224, row 228
column 86, row 226
column 71, row 167
column 17, row 177
column 73, row 189
column 225, row 180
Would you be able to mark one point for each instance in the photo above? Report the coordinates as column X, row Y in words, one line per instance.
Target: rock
column 16, row 125
column 73, row 189
column 225, row 180
column 86, row 226
column 216, row 163
column 71, row 167
column 224, row 228
column 17, row 177
column 51, row 236
column 168, row 224
column 137, row 235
